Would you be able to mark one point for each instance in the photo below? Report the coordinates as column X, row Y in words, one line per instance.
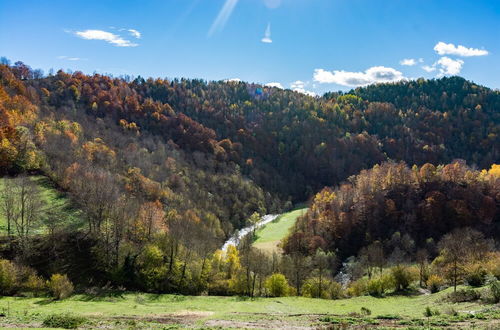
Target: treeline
column 462, row 257
column 288, row 143
column 402, row 208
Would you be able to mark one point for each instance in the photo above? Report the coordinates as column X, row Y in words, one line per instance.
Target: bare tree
column 23, row 207
column 8, row 203
column 461, row 246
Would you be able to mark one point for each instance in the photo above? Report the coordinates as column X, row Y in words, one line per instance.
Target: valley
column 156, row 203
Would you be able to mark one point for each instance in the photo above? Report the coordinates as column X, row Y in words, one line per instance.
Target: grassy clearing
column 149, row 310
column 52, row 199
column 269, row 237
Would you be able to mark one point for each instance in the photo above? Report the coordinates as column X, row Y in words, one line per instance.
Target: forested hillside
column 164, row 170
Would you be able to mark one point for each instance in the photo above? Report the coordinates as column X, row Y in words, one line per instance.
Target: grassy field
column 138, row 310
column 269, row 237
column 52, row 200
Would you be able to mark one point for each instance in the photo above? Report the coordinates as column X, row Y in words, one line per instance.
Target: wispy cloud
column 450, row 49
column 267, row 35
column 234, row 80
column 410, row 61
column 429, row 68
column 274, row 84
column 134, row 33
column 345, row 78
column 108, row 37
column 68, row 58
column 272, row 4
column 223, row 16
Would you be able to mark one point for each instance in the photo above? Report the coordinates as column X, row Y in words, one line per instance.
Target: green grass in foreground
column 271, row 234
column 52, row 199
column 228, row 312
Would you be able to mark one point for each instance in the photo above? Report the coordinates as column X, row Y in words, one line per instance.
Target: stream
column 239, row 234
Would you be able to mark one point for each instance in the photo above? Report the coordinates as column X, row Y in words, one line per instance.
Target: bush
column 8, row 277
column 403, row 277
column 65, row 321
column 476, row 275
column 365, row 311
column 492, row 265
column 495, row 291
column 329, row 289
column 34, row 284
column 464, row 295
column 428, row 312
column 435, row 283
column 358, row 288
column 377, row 287
column 277, row 285
column 60, row 286
column 336, row 291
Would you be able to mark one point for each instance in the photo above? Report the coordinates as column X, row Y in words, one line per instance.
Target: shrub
column 60, row 286
column 492, row 265
column 34, row 284
column 495, row 291
column 336, row 291
column 403, row 277
column 358, row 288
column 277, row 285
column 476, row 275
column 464, row 295
column 375, row 287
column 8, row 277
column 434, row 283
column 65, row 321
column 428, row 312
column 365, row 311
column 329, row 289
column 153, row 268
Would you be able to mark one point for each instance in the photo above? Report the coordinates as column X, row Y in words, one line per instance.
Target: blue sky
column 308, row 45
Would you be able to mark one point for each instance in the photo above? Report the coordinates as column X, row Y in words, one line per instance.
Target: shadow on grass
column 405, row 293
column 45, row 301
column 155, row 297
column 106, row 296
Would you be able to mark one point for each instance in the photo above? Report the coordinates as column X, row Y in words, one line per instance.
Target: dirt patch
column 181, row 317
column 261, row 324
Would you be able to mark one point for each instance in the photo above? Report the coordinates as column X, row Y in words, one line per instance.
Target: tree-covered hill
column 164, row 170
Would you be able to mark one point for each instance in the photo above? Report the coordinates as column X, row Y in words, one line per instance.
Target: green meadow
column 269, row 237
column 141, row 310
column 52, row 201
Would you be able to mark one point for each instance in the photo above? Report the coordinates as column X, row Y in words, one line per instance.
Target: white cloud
column 135, row 33
column 109, row 37
column 408, row 62
column 449, row 66
column 345, row 78
column 267, row 35
column 446, row 66
column 274, row 84
column 299, row 86
column 235, row 80
column 450, row 49
column 68, row 58
column 223, row 16
column 429, row 68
